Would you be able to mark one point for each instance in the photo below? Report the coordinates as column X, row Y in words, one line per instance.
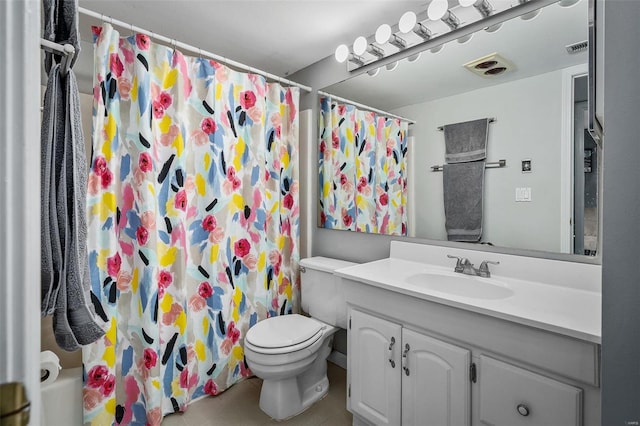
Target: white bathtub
column 62, row 399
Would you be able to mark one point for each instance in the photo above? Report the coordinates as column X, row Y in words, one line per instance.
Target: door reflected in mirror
column 547, row 196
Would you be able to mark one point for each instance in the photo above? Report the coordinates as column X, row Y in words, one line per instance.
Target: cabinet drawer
column 511, row 396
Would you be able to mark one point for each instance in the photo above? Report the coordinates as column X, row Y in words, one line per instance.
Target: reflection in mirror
column 530, row 76
column 363, row 169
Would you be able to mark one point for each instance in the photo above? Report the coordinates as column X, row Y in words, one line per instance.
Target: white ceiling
column 280, row 37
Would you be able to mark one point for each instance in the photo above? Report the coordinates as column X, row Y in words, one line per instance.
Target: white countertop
column 564, row 310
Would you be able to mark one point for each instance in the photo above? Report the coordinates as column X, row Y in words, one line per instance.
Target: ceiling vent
column 490, row 66
column 578, row 47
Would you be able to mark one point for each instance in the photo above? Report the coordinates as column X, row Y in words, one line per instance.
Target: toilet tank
column 321, row 291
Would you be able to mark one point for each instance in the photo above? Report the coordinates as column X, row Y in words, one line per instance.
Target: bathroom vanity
column 427, row 346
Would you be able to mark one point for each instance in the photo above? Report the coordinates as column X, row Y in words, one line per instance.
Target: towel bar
column 491, row 120
column 490, row 165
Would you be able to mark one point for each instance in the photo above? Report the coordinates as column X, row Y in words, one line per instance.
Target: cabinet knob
column 523, row 410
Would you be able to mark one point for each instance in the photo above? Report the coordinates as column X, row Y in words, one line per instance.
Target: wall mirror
column 547, row 195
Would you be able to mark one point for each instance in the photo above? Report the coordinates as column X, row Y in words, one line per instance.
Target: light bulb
column 493, row 28
column 466, row 3
column 529, row 16
column 373, row 73
column 436, row 49
column 392, row 66
column 383, row 34
column 342, row 53
column 464, row 39
column 567, row 3
column 414, row 57
column 360, row 46
column 437, row 9
column 407, row 22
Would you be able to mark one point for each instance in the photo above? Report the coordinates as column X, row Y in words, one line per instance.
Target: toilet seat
column 284, row 334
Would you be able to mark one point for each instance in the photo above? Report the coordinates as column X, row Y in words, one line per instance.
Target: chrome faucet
column 464, row 266
column 459, row 264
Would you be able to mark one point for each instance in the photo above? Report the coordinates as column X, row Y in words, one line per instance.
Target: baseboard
column 338, row 358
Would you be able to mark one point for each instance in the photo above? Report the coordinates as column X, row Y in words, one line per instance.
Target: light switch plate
column 523, row 194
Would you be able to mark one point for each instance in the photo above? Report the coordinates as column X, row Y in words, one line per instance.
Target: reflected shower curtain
column 193, row 224
column 363, row 170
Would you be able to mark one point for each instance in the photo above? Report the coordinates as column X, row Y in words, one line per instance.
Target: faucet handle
column 483, row 270
column 460, row 262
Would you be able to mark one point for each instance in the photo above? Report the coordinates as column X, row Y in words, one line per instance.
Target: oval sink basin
column 462, row 285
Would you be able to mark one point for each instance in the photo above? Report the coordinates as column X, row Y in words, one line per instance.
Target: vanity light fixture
column 528, row 16
column 485, row 9
column 482, row 6
column 409, row 23
column 342, row 54
column 360, row 46
column 365, row 52
column 438, row 10
column 385, row 35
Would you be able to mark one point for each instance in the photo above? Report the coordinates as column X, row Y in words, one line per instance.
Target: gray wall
column 521, row 107
column 619, row 99
column 621, row 215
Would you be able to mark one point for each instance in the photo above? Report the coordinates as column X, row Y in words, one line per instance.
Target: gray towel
column 463, row 185
column 74, row 317
column 466, row 141
column 52, row 135
column 61, row 26
column 65, row 274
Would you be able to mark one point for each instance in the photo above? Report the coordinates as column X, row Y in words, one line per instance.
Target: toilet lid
column 284, row 331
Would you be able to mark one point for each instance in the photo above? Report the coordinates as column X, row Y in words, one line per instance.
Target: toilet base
column 282, row 399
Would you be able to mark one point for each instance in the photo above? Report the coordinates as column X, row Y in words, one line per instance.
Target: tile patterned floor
column 238, row 406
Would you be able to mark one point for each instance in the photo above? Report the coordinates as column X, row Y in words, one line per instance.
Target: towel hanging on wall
column 463, row 200
column 466, row 141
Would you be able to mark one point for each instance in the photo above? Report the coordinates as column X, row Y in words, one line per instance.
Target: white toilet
column 289, row 352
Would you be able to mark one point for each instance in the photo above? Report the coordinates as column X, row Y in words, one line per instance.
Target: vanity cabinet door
column 512, row 396
column 374, row 368
column 435, row 382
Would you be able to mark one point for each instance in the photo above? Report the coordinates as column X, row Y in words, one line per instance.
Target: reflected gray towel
column 61, row 26
column 463, row 186
column 466, row 141
column 74, row 320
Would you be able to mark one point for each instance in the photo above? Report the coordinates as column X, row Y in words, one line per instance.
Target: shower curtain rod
column 66, row 51
column 175, row 44
column 320, row 92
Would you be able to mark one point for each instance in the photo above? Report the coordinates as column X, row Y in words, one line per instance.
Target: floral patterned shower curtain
column 363, row 170
column 193, row 224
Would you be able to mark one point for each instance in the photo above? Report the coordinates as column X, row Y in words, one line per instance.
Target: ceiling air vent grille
column 578, row 47
column 490, row 66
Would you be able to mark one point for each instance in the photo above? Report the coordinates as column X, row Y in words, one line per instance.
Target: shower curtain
column 193, row 224
column 363, row 170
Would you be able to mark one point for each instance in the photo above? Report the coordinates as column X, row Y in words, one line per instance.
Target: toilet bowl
column 289, row 352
